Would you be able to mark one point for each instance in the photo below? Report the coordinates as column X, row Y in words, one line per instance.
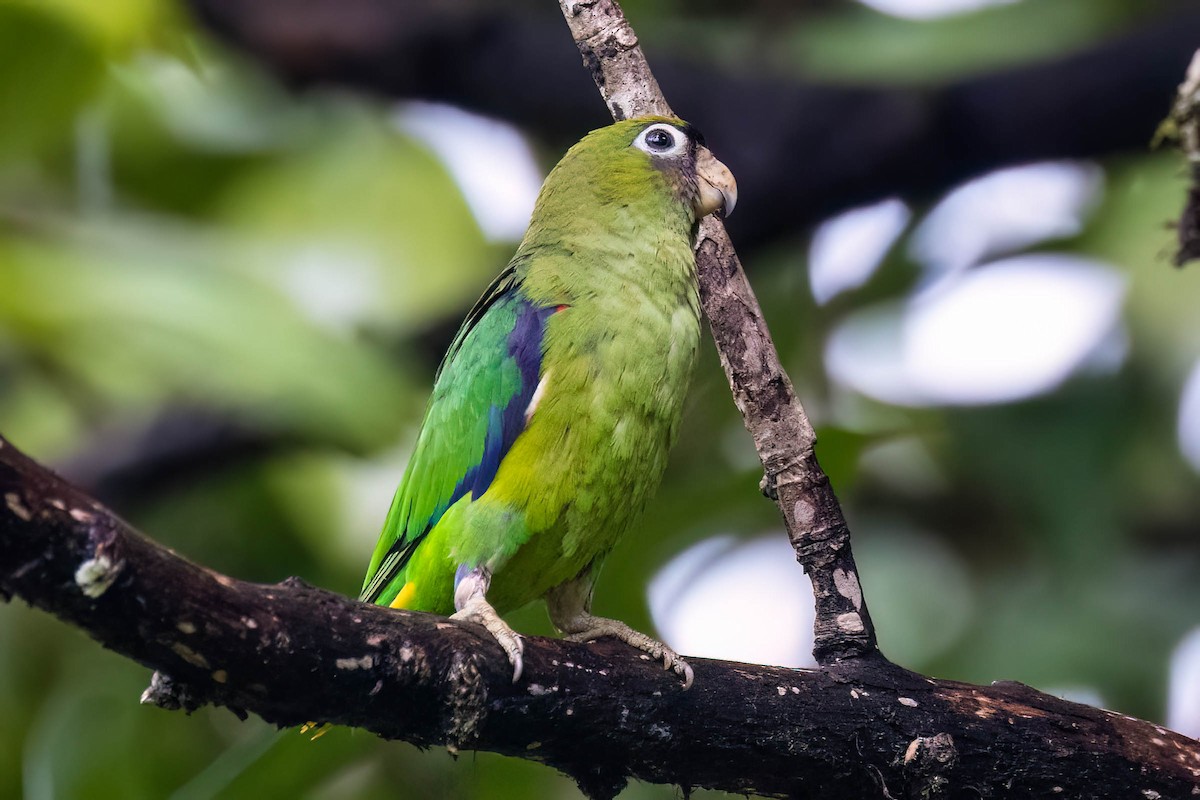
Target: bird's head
column 646, row 158
column 677, row 150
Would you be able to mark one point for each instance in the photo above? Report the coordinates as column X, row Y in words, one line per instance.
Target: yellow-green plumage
column 554, row 411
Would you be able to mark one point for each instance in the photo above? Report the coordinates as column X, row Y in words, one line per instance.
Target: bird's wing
column 480, row 396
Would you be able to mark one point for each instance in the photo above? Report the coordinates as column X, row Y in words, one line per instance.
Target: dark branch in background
column 127, row 463
column 801, row 150
column 1185, row 119
column 598, row 712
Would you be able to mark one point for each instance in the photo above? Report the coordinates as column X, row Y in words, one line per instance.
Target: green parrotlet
column 554, row 410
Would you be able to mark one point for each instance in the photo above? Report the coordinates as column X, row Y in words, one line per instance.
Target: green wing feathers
column 475, row 414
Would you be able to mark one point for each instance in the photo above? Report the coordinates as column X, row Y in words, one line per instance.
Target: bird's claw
column 671, row 660
column 479, row 611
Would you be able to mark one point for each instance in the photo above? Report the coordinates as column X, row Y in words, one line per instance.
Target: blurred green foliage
column 176, row 231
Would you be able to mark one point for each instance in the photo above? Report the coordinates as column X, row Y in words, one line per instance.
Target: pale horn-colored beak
column 718, row 189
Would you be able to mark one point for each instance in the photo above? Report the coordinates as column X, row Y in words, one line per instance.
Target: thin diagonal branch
column 782, row 433
column 1185, row 118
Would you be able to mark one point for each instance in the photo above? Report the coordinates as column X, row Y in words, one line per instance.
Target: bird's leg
column 570, row 610
column 471, row 605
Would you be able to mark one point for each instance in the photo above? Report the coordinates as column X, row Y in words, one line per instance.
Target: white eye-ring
column 661, row 139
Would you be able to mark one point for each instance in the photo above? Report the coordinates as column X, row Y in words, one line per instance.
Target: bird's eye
column 658, row 139
column 661, row 139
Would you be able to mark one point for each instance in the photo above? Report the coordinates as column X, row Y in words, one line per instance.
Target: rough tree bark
column 1185, row 121
column 859, row 727
column 599, row 712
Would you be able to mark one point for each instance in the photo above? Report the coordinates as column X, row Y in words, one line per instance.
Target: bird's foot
column 477, row 609
column 586, row 627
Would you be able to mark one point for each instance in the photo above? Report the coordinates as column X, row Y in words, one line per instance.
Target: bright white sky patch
column 1005, row 211
column 734, row 599
column 847, row 249
column 1087, row 695
column 865, row 353
column 1183, row 692
column 1189, row 419
column 490, row 161
column 930, row 9
column 1002, row 332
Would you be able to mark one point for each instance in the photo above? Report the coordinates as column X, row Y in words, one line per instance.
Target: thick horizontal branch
column 801, row 150
column 600, row 712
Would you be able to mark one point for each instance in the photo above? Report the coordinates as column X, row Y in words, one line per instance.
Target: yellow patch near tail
column 320, row 729
column 405, row 596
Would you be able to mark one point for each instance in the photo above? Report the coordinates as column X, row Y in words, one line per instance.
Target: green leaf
column 135, row 329
column 49, row 69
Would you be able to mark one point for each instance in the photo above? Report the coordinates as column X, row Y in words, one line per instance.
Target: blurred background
column 236, row 237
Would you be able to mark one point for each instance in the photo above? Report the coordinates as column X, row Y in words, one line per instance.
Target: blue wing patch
column 502, row 418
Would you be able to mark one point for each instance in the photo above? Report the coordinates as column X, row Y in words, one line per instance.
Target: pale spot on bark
column 363, row 662
column 907, row 701
column 13, row 501
column 220, row 676
column 95, row 575
column 850, row 622
column 805, row 514
column 79, row 515
column 847, row 586
column 189, row 655
column 186, row 627
column 625, row 36
column 659, row 731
